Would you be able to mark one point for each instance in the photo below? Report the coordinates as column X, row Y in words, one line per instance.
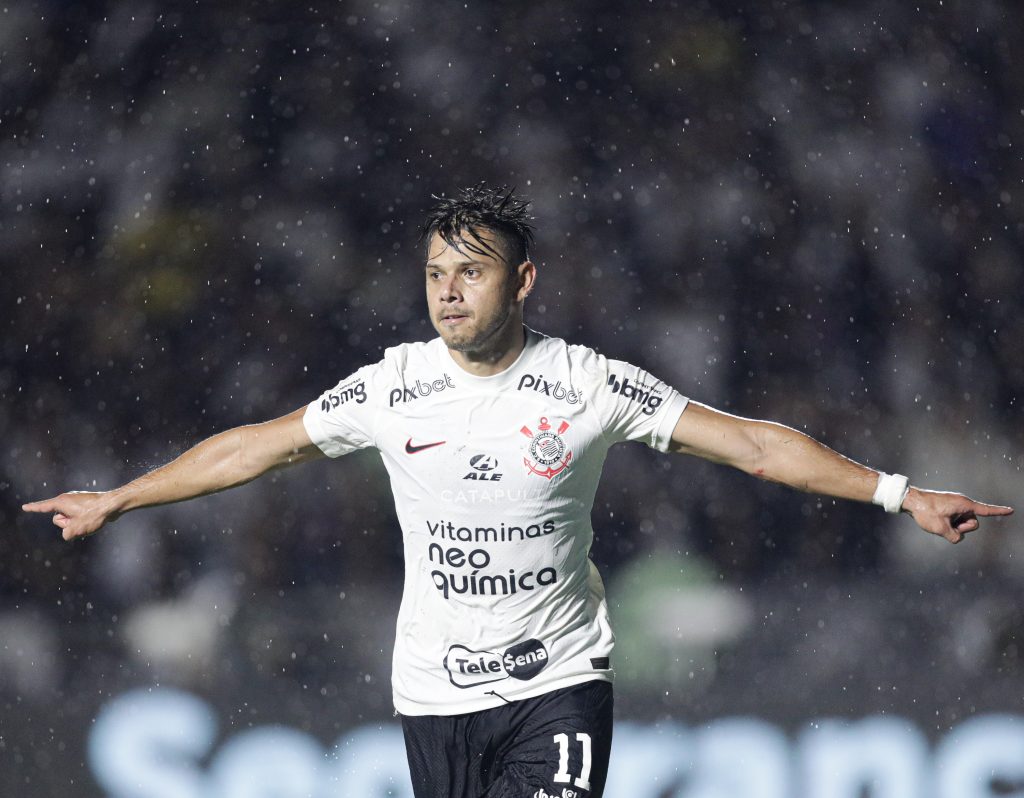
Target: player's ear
column 526, row 276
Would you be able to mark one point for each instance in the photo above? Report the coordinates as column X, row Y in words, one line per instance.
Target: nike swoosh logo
column 410, row 448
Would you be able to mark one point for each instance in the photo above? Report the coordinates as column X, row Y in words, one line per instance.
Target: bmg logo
column 346, row 393
column 640, row 394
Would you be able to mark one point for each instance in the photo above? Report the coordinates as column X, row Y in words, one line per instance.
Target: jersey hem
column 415, row 709
column 663, row 435
column 317, row 434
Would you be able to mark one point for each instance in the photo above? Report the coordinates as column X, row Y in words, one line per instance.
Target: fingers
column 953, row 516
column 991, row 509
column 951, row 530
column 965, row 524
column 962, row 523
column 43, row 506
column 956, row 527
column 70, row 534
column 70, row 529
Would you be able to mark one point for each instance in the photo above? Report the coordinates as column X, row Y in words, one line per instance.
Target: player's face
column 474, row 298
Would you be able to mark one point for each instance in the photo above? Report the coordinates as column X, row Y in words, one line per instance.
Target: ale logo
column 484, row 468
column 549, row 455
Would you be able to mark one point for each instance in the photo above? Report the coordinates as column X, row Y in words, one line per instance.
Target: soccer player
column 494, row 437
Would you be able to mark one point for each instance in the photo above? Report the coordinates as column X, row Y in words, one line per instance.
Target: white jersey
column 494, row 480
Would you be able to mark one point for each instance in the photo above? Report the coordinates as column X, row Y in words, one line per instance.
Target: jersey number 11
column 563, row 776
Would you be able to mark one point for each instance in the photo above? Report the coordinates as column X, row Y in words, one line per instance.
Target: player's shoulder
column 551, row 347
column 412, row 354
column 579, row 366
column 398, row 362
column 405, row 372
column 582, row 360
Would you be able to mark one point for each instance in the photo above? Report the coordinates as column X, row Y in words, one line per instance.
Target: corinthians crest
column 547, row 449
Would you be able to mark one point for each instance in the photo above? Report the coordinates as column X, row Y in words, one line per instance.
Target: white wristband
column 891, row 491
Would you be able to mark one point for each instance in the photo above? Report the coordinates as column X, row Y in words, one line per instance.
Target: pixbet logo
column 345, row 393
column 536, row 382
column 420, row 389
column 565, row 793
column 484, row 468
column 638, row 393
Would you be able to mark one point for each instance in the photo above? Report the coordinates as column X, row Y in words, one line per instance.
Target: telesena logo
column 537, row 383
column 469, row 668
column 637, row 392
column 420, row 389
column 344, row 393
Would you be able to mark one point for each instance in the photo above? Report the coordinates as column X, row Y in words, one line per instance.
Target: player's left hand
column 950, row 515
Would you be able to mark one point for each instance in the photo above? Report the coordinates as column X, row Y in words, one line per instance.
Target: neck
column 503, row 350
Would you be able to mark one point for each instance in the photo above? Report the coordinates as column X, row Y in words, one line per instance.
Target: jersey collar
column 532, row 339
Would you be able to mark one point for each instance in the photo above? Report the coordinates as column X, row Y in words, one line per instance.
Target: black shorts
column 553, row 746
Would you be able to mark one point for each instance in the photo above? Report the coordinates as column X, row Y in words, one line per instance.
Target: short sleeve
column 633, row 405
column 344, row 418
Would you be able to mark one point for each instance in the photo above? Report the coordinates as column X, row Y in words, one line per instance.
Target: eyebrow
column 432, row 265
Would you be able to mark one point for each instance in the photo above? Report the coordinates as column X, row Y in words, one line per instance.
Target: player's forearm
column 792, row 458
column 218, row 463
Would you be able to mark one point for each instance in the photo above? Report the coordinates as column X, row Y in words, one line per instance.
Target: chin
column 452, row 339
column 461, row 344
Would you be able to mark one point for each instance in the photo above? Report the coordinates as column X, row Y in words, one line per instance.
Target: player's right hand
column 78, row 513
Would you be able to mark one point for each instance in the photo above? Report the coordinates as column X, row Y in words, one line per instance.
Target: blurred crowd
column 808, row 212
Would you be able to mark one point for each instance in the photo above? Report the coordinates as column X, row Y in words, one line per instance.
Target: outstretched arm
column 227, row 459
column 778, row 453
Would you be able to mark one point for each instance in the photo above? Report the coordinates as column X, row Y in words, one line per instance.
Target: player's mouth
column 453, row 319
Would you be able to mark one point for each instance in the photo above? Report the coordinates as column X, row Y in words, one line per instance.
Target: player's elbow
column 759, row 449
column 780, row 450
column 267, row 446
column 247, row 462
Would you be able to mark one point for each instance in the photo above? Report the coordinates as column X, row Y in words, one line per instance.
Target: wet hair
column 482, row 209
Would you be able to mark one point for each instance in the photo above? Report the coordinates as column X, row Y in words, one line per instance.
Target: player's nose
column 449, row 290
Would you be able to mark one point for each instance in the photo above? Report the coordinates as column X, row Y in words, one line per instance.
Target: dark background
column 808, row 212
